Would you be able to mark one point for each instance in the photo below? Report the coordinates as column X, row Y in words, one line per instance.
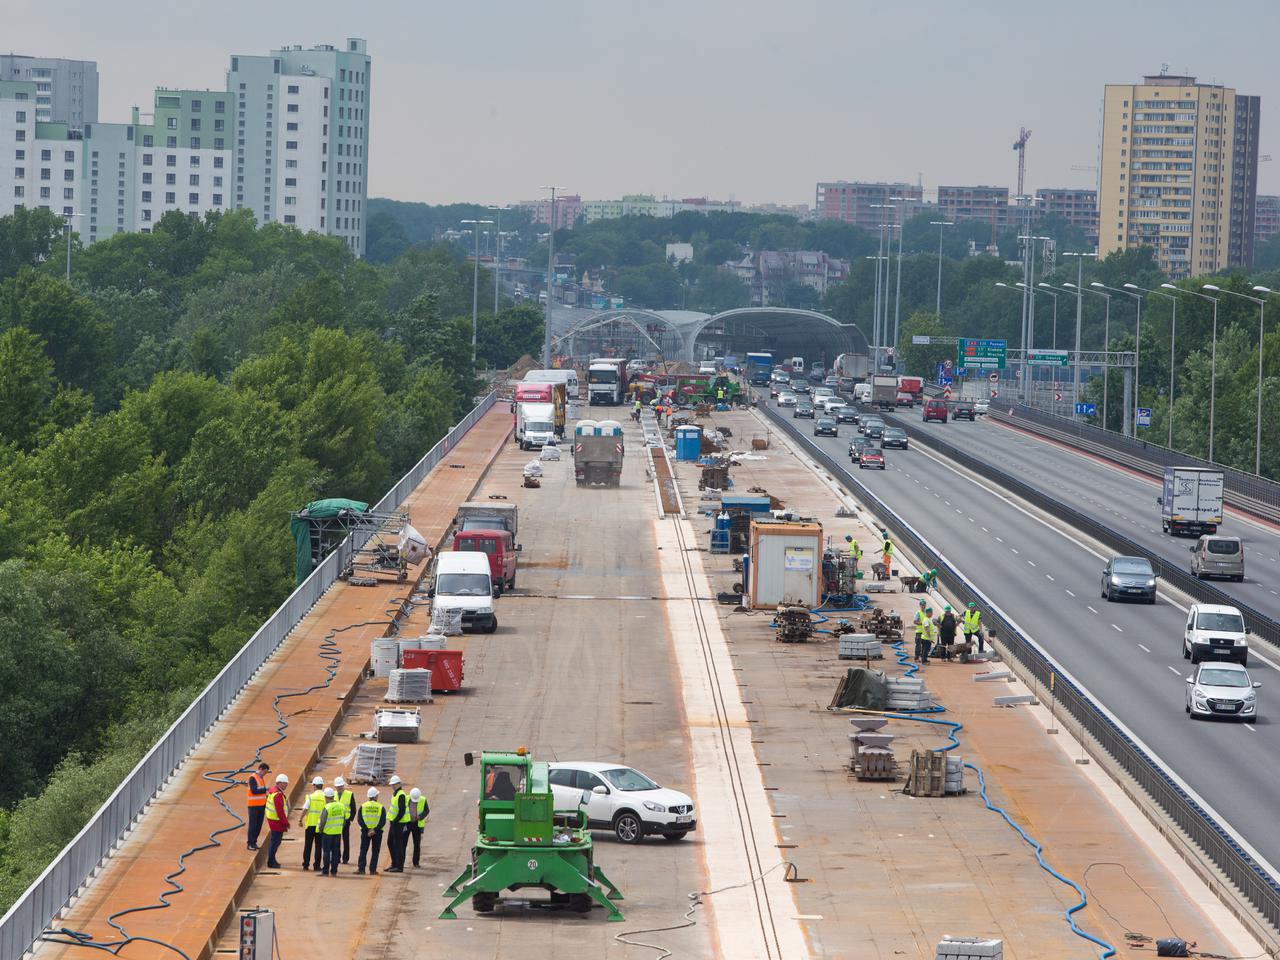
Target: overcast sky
column 751, row 100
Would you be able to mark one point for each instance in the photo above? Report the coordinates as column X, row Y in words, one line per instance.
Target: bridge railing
column 62, row 879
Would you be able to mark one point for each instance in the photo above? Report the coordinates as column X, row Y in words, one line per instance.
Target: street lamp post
column 551, row 260
column 1128, row 291
column 1173, row 339
column 886, row 248
column 1213, row 356
column 1075, row 392
column 940, row 224
column 1262, row 313
column 1049, row 290
column 497, row 257
column 475, row 285
column 68, row 217
column 1106, row 343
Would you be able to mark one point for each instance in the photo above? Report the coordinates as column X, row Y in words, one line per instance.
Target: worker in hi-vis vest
column 398, row 833
column 373, row 819
column 348, row 800
column 256, row 804
column 972, row 624
column 418, row 810
column 277, row 818
column 332, row 819
column 311, row 824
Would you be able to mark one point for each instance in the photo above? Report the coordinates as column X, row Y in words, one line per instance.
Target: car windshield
column 463, row 584
column 626, row 779
column 1226, row 547
column 826, row 422
column 1218, row 677
column 1134, row 565
column 895, row 432
column 537, row 426
column 1225, row 622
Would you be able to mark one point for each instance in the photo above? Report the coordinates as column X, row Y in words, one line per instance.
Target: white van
column 1215, row 632
column 862, row 392
column 566, row 375
column 463, row 582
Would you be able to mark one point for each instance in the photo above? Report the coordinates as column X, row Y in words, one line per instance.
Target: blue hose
column 899, row 648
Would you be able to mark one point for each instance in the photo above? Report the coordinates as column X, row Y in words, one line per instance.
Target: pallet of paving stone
column 397, row 725
column 409, row 686
column 927, row 774
column 954, row 783
column 374, row 763
column 859, row 646
column 874, row 763
column 969, row 948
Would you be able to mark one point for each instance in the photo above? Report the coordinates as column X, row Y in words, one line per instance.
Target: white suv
column 1215, row 632
column 622, row 800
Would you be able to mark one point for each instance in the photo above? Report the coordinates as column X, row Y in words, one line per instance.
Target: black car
column 873, row 429
column 1126, row 578
column 856, row 447
column 847, row 414
column 803, row 409
column 895, row 437
column 962, row 410
column 825, row 427
column 800, row 386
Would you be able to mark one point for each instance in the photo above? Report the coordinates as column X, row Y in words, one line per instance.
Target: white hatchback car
column 1222, row 690
column 622, row 800
column 787, row 399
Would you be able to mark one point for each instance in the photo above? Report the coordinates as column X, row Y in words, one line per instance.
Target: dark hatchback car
column 847, row 414
column 871, row 457
column 825, row 427
column 895, row 437
column 803, row 409
column 963, row 410
column 1129, row 578
column 856, row 447
column 800, row 386
column 873, row 429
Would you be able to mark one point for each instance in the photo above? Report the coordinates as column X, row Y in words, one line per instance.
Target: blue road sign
column 1144, row 416
column 1086, row 409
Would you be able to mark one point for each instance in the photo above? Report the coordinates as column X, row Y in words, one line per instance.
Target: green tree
column 921, row 360
column 386, row 238
column 27, row 238
column 718, row 289
column 76, row 337
column 26, row 385
column 514, row 332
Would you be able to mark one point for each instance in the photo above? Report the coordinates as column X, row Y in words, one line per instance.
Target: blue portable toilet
column 688, row 443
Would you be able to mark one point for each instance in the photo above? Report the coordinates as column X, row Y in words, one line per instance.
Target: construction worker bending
column 972, row 623
column 311, row 824
column 332, row 819
column 277, row 817
column 929, row 580
column 348, row 800
column 398, row 834
column 373, row 818
column 418, row 810
column 256, row 802
column 924, row 636
column 855, row 552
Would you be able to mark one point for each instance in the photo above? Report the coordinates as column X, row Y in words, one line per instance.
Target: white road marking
column 1014, row 549
column 1176, row 672
column 1032, row 562
column 1116, row 629
column 1069, row 593
column 1144, row 649
column 1090, row 609
column 985, row 530
column 1000, row 539
column 1049, row 577
column 1249, row 727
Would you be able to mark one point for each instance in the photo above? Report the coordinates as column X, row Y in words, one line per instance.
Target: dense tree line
column 160, row 416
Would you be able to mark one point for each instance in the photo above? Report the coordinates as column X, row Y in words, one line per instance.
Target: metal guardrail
column 1219, row 843
column 72, row 868
column 1246, row 491
column 1258, row 622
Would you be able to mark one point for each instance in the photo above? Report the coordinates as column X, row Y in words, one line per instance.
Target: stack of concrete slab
column 908, row 693
column 873, row 757
column 397, row 725
column 860, row 646
column 969, row 948
column 409, row 686
column 374, row 763
column 954, row 782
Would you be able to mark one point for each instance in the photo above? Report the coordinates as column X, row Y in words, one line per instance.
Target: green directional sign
column 980, row 354
column 1048, row 358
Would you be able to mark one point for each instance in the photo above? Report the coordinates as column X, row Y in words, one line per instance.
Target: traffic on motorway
column 1134, row 658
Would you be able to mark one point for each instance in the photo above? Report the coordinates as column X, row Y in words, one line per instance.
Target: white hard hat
column 415, row 794
column 318, row 782
column 328, row 793
column 373, row 793
column 339, row 782
column 282, row 778
column 394, row 780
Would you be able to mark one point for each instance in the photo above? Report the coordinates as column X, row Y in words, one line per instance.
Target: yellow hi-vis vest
column 371, row 813
column 335, row 817
column 404, row 817
column 344, row 798
column 271, row 805
column 855, row 550
column 971, row 618
column 421, row 810
column 315, row 803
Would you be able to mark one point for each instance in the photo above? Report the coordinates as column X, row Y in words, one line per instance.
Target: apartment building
column 860, row 202
column 1266, row 222
column 982, row 203
column 39, row 160
column 1078, row 207
column 66, row 91
column 1179, row 173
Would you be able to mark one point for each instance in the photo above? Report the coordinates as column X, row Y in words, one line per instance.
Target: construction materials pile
column 396, row 725
column 374, row 763
column 934, row 773
column 908, row 693
column 409, row 686
column 873, row 757
column 859, row 646
column 793, row 623
column 969, row 948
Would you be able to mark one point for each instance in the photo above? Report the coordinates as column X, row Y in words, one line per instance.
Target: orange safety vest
column 255, row 799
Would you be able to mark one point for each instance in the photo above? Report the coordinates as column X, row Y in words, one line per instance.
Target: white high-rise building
column 66, row 90
column 39, row 161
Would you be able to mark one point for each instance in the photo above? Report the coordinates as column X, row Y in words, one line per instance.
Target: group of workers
column 940, row 634
column 326, row 821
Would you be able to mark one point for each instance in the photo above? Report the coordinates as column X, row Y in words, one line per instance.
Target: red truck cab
column 501, row 550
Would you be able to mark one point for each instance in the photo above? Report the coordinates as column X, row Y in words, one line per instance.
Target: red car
column 935, row 410
column 871, row 457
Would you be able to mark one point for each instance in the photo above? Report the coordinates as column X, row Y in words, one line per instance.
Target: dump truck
column 598, row 449
column 1191, row 502
column 884, row 391
column 523, row 842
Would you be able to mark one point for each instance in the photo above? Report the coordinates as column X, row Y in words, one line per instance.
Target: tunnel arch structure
column 786, row 331
column 627, row 332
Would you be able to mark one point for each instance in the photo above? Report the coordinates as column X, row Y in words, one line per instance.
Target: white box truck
column 1191, row 503
column 535, row 424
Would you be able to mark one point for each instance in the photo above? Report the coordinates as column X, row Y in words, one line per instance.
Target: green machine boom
column 523, row 841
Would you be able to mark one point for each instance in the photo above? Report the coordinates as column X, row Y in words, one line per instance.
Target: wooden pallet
column 927, row 776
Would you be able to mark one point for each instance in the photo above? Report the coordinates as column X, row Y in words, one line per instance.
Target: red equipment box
column 445, row 667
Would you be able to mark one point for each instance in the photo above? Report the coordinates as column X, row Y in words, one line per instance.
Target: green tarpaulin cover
column 301, row 529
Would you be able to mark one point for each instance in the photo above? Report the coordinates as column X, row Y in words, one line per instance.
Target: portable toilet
column 586, row 428
column 610, row 428
column 688, row 442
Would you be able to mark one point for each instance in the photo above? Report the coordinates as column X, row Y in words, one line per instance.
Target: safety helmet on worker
column 415, row 794
column 394, row 780
column 373, row 793
column 339, row 782
column 282, row 778
column 972, row 604
column 328, row 793
column 318, row 782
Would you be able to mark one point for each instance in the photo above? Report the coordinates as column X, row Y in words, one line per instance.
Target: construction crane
column 1021, row 146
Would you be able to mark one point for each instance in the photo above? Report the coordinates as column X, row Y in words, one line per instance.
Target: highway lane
column 1127, row 655
column 1127, row 500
